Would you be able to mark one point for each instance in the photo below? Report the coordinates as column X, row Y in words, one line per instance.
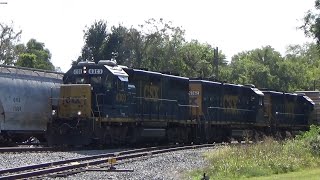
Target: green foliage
column 265, row 67
column 26, row 60
column 158, row 45
column 311, row 139
column 311, row 24
column 34, row 55
column 266, row 158
column 8, row 40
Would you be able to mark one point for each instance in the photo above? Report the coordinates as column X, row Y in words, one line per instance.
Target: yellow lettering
column 152, row 92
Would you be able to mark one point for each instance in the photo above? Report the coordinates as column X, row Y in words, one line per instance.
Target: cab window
column 95, row 81
column 108, row 82
column 81, row 80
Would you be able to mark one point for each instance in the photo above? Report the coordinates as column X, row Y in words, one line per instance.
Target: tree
column 156, row 45
column 198, row 59
column 34, row 55
column 259, row 67
column 305, row 61
column 94, row 36
column 311, row 24
column 8, row 39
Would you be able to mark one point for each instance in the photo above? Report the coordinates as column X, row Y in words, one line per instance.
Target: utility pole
column 216, row 61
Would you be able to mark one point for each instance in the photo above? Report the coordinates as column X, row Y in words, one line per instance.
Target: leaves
column 8, row 39
column 34, row 55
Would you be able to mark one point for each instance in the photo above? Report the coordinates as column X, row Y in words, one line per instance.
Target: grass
column 264, row 159
column 310, row 174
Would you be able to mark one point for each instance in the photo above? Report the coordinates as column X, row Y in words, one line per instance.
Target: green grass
column 313, row 174
column 264, row 159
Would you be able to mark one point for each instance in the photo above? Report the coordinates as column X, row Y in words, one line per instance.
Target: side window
column 120, row 85
column 95, row 81
column 108, row 83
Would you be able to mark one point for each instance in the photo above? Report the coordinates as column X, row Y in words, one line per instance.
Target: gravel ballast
column 172, row 165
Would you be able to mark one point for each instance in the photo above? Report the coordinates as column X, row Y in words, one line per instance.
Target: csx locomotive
column 106, row 103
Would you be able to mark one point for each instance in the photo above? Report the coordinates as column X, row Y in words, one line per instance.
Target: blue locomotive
column 106, row 103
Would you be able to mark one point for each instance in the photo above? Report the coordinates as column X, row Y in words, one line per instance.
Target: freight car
column 24, row 101
column 108, row 104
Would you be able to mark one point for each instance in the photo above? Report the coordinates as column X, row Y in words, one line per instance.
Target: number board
column 95, row 71
column 77, row 71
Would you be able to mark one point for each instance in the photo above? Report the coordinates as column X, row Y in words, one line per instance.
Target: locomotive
column 24, row 102
column 106, row 103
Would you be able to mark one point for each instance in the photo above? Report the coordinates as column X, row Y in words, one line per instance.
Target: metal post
column 216, row 61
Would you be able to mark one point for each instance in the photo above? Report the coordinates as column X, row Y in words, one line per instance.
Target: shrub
column 266, row 158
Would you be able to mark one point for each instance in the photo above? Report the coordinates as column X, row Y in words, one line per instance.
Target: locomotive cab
column 91, row 93
column 108, row 90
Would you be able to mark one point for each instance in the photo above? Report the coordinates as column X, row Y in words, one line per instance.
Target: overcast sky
column 232, row 25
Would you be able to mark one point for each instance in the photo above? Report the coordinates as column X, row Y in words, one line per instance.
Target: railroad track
column 27, row 149
column 89, row 163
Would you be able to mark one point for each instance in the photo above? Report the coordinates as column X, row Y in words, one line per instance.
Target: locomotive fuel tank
column 25, row 99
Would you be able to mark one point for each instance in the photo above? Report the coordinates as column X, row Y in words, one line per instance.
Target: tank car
column 24, row 101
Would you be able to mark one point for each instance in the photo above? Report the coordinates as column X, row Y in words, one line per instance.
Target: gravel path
column 172, row 165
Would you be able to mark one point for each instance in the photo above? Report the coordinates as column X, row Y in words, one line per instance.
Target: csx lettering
column 290, row 109
column 151, row 91
column 95, row 71
column 230, row 103
column 121, row 97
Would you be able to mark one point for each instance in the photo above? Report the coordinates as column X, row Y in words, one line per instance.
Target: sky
column 232, row 25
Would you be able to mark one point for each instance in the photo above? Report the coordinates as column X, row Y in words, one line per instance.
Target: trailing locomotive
column 24, row 101
column 109, row 104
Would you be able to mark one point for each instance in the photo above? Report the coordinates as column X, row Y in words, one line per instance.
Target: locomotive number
column 194, row 93
column 77, row 71
column 95, row 71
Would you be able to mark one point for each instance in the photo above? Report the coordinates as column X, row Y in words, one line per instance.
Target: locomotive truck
column 105, row 103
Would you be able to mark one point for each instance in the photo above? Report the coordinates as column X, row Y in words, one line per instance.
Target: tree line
column 158, row 45
column 32, row 55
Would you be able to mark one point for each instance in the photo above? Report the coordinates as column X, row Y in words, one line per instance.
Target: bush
column 266, row 158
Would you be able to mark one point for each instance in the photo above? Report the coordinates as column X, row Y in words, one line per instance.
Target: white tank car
column 25, row 99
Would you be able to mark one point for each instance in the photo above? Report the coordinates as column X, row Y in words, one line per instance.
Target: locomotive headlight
column 79, row 113
column 54, row 112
